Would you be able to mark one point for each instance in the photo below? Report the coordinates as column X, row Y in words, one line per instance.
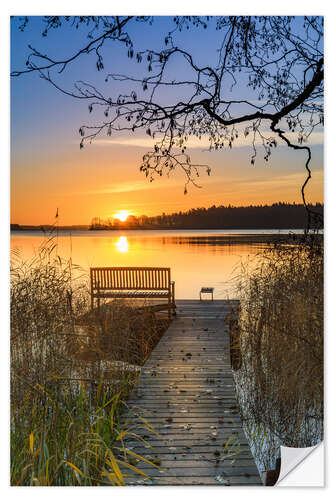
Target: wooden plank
column 186, row 392
column 195, row 472
column 195, row 450
column 176, row 408
column 200, row 459
column 195, row 481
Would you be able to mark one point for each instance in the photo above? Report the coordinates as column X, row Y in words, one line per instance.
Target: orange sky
column 104, row 178
column 50, row 172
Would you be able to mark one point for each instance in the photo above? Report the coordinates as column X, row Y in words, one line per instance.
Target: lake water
column 196, row 258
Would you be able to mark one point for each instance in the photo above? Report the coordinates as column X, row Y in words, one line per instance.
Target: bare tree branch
column 281, row 57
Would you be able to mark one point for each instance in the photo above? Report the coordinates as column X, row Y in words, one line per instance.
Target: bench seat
column 132, row 293
column 135, row 282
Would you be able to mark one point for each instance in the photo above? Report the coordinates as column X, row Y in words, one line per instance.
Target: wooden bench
column 206, row 289
column 132, row 282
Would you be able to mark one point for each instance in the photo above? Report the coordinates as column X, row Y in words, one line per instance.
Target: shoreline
column 45, row 228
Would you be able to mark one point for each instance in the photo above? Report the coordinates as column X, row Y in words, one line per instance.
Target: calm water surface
column 196, row 258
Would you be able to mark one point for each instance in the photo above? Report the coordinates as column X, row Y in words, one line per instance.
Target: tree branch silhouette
column 280, row 56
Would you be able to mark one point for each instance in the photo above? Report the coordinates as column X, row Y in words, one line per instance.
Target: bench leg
column 173, row 299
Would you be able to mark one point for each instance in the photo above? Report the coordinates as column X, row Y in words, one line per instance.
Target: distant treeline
column 276, row 216
column 48, row 227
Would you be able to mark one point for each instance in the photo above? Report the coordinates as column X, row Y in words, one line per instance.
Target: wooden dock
column 186, row 392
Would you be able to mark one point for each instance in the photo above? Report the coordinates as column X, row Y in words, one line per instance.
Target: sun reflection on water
column 194, row 262
column 122, row 244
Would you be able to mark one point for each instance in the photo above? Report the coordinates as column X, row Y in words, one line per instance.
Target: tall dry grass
column 280, row 336
column 71, row 373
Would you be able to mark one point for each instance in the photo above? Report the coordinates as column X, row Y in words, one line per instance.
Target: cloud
column 316, row 138
column 124, row 187
column 127, row 187
column 288, row 178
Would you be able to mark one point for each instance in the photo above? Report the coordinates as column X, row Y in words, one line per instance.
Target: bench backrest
column 130, row 278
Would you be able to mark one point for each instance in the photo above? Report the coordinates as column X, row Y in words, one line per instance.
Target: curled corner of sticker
column 302, row 466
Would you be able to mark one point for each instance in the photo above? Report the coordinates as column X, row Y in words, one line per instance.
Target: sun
column 122, row 215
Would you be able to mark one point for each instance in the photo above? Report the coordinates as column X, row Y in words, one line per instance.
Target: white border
column 241, row 7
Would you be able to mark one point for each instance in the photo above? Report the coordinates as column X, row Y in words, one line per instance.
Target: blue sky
column 48, row 170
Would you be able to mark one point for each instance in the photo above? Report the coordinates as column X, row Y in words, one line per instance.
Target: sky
column 50, row 172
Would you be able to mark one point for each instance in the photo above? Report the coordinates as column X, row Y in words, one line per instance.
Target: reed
column 71, row 374
column 280, row 338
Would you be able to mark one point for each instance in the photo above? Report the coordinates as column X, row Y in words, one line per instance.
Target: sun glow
column 122, row 244
column 122, row 215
